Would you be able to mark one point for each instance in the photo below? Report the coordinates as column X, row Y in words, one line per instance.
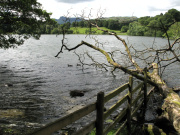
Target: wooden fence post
column 145, row 92
column 100, row 111
column 129, row 105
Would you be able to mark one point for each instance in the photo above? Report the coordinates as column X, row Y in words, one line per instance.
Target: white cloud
column 137, row 8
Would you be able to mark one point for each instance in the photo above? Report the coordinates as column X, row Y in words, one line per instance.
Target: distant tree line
column 156, row 26
column 113, row 23
column 110, row 23
column 143, row 26
column 56, row 28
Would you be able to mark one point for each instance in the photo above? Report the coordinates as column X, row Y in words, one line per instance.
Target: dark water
column 39, row 83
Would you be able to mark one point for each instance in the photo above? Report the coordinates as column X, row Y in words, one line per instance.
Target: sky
column 108, row 8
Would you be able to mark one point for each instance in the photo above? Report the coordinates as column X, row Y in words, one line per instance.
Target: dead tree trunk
column 171, row 105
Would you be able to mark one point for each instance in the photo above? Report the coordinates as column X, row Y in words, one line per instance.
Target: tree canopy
column 20, row 20
column 154, row 26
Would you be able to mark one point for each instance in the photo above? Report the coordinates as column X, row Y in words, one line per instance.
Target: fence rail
column 129, row 112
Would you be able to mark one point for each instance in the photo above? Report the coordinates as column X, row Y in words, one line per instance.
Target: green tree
column 124, row 28
column 136, row 29
column 114, row 25
column 48, row 29
column 144, row 20
column 20, row 20
column 81, row 23
column 105, row 23
column 154, row 26
column 74, row 24
column 165, row 21
column 174, row 31
column 175, row 14
column 67, row 25
column 43, row 29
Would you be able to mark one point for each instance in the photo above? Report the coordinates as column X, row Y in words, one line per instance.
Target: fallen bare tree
column 155, row 60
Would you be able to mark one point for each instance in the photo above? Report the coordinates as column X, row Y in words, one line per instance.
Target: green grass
column 112, row 132
column 79, row 30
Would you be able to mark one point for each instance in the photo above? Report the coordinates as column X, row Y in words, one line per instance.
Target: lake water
column 41, row 82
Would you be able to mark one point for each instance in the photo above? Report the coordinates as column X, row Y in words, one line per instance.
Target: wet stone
column 77, row 93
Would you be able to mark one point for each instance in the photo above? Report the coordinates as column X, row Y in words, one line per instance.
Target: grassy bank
column 84, row 30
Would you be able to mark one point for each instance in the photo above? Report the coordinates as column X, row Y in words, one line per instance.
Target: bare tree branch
column 152, row 58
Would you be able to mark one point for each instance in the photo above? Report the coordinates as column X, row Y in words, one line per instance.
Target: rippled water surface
column 35, row 85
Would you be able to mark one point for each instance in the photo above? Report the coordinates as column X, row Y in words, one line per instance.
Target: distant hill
column 121, row 19
column 63, row 19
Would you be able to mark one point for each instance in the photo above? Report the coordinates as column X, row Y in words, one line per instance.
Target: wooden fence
column 101, row 116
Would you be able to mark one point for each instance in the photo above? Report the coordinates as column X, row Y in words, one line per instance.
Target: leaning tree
column 20, row 20
column 155, row 60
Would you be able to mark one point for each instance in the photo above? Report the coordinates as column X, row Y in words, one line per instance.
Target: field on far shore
column 84, row 30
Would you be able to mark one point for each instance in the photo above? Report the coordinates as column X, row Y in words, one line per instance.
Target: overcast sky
column 138, row 8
